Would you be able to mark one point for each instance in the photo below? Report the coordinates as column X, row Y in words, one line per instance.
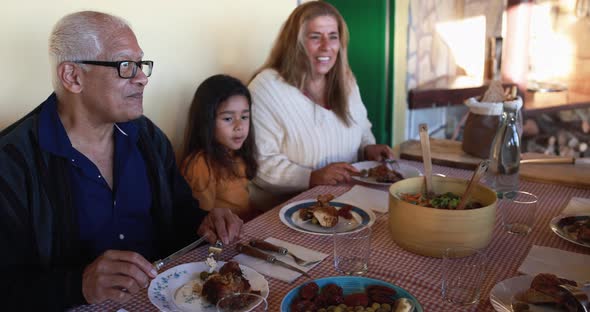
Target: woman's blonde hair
column 289, row 57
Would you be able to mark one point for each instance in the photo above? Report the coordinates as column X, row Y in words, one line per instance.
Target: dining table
column 419, row 275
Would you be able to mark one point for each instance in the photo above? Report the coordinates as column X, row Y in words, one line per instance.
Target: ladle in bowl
column 479, row 171
column 426, row 158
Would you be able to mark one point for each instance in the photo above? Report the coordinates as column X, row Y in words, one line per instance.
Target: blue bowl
column 351, row 285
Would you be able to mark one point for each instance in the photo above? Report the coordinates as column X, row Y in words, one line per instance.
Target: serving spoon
column 426, row 158
column 479, row 171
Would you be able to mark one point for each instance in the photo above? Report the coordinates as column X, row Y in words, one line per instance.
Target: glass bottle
column 514, row 106
column 505, row 155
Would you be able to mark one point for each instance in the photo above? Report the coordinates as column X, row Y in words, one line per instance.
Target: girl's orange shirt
column 213, row 192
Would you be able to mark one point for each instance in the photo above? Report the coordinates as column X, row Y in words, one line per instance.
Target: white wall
column 188, row 40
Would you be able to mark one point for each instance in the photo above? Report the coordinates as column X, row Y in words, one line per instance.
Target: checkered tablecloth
column 417, row 274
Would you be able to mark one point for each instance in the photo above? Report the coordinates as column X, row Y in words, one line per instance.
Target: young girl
column 219, row 146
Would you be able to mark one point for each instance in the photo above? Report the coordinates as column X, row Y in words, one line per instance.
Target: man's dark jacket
column 40, row 264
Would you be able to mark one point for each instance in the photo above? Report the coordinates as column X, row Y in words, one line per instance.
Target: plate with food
column 352, row 291
column 573, row 228
column 377, row 173
column 191, row 287
column 325, row 217
column 527, row 293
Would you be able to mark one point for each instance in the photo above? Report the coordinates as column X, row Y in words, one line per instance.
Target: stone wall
column 428, row 57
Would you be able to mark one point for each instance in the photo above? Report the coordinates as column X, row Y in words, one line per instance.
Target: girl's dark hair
column 200, row 130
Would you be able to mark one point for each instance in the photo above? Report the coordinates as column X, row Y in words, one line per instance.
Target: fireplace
column 563, row 133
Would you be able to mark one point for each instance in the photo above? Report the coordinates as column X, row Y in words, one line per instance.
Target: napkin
column 562, row 263
column 577, row 205
column 366, row 198
column 277, row 271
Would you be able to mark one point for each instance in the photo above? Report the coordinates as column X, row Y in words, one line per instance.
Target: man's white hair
column 79, row 36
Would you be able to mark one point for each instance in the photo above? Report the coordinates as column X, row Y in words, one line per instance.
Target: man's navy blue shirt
column 117, row 218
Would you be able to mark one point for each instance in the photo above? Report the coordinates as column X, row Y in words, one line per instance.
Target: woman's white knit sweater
column 295, row 136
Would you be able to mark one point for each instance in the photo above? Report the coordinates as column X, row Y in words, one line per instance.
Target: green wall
column 370, row 23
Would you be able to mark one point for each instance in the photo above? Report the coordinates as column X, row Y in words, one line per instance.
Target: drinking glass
column 518, row 211
column 463, row 272
column 242, row 302
column 352, row 250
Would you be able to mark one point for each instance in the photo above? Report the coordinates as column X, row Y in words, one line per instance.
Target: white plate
column 405, row 170
column 559, row 226
column 163, row 288
column 289, row 215
column 501, row 295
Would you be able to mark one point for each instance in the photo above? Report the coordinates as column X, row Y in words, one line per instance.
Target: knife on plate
column 557, row 160
column 251, row 251
column 158, row 264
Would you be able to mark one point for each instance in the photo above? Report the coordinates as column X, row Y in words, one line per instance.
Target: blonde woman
column 309, row 119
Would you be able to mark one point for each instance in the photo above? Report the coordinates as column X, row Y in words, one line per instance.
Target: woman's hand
column 332, row 174
column 378, row 152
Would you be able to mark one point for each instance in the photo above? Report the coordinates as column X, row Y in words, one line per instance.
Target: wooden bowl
column 429, row 231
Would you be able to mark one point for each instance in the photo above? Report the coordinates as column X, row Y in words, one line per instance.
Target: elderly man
column 89, row 189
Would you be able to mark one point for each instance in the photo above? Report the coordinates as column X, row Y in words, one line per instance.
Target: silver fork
column 301, row 262
column 215, row 250
column 391, row 164
column 281, row 250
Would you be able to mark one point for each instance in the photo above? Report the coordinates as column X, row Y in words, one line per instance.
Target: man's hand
column 378, row 152
column 332, row 174
column 221, row 224
column 116, row 275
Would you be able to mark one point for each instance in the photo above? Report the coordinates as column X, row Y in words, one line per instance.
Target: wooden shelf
column 446, row 91
column 454, row 90
column 547, row 102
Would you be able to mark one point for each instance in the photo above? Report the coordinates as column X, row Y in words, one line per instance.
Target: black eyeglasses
column 126, row 69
